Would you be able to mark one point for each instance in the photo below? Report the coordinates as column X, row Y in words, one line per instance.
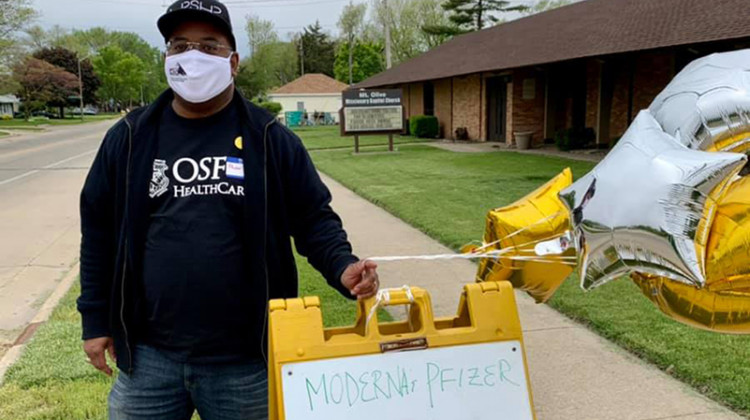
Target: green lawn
column 69, row 120
column 447, row 196
column 328, row 137
column 53, row 381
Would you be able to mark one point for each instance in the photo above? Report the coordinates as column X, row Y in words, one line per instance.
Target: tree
column 271, row 66
column 351, row 23
column 37, row 38
column 41, row 82
column 15, row 15
column 93, row 41
column 545, row 5
column 259, row 33
column 152, row 61
column 471, row 15
column 367, row 61
column 122, row 75
column 68, row 60
column 406, row 19
column 317, row 50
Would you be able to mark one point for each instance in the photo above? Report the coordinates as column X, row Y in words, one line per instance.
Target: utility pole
column 80, row 84
column 387, row 19
column 302, row 52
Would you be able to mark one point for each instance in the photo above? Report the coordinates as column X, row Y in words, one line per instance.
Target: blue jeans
column 160, row 388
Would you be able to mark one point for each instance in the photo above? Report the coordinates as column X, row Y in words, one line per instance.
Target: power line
column 235, row 4
column 281, row 3
column 126, row 2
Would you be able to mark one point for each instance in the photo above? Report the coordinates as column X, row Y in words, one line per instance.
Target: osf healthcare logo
column 207, row 176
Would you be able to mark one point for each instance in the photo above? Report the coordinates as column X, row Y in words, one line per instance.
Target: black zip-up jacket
column 284, row 198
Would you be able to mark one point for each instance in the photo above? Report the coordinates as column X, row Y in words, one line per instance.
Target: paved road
column 41, row 175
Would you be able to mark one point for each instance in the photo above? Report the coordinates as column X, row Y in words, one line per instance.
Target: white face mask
column 198, row 77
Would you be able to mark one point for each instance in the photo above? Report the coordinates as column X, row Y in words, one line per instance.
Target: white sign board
column 478, row 381
column 384, row 118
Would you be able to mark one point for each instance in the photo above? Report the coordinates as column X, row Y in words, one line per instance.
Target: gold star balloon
column 648, row 207
column 516, row 232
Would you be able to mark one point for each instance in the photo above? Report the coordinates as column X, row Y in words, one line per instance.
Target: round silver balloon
column 640, row 208
column 707, row 105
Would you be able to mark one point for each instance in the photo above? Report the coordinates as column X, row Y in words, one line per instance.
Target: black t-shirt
column 195, row 293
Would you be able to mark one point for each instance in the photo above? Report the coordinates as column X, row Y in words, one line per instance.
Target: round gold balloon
column 723, row 305
column 518, row 228
column 728, row 248
column 726, row 312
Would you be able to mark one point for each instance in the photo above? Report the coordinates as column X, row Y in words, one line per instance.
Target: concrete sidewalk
column 489, row 146
column 574, row 373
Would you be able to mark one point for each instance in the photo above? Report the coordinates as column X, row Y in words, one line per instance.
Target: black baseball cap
column 211, row 11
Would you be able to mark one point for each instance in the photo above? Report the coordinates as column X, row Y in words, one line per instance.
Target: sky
column 140, row 16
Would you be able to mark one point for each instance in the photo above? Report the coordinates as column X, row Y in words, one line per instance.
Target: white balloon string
column 510, row 253
column 486, row 255
column 519, row 231
column 383, row 297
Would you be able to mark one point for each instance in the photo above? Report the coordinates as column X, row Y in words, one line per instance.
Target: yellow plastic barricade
column 471, row 366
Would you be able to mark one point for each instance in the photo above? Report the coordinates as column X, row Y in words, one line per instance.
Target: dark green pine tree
column 471, row 15
column 317, row 50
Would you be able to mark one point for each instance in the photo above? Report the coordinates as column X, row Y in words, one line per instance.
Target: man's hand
column 95, row 349
column 361, row 279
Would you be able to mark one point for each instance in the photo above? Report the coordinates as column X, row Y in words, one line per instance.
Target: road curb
column 14, row 353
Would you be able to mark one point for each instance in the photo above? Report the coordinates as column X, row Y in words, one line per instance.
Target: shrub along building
column 592, row 64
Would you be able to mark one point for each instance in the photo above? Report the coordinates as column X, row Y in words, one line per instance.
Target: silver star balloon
column 707, row 105
column 640, row 208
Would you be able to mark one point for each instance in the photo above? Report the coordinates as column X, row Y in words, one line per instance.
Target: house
column 594, row 64
column 311, row 95
column 8, row 105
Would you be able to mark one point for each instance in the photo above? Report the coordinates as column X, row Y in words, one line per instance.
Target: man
column 186, row 219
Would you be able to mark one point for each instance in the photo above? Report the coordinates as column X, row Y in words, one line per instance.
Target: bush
column 574, row 138
column 7, row 117
column 424, row 126
column 462, row 133
column 273, row 108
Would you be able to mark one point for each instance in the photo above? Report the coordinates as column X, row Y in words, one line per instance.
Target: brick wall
column 405, row 99
column 443, row 107
column 618, row 122
column 416, row 99
column 653, row 72
column 528, row 114
column 461, row 102
column 593, row 85
column 482, row 108
column 467, row 104
column 509, row 114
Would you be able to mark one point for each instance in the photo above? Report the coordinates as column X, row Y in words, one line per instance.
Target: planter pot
column 523, row 139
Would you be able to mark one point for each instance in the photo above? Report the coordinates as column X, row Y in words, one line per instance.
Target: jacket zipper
column 265, row 237
column 125, row 255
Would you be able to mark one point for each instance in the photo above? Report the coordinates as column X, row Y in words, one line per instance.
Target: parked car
column 86, row 111
column 44, row 114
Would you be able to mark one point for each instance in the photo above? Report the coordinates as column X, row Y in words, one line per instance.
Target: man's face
column 205, row 33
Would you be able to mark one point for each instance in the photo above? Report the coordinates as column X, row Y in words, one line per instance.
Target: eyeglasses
column 208, row 47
